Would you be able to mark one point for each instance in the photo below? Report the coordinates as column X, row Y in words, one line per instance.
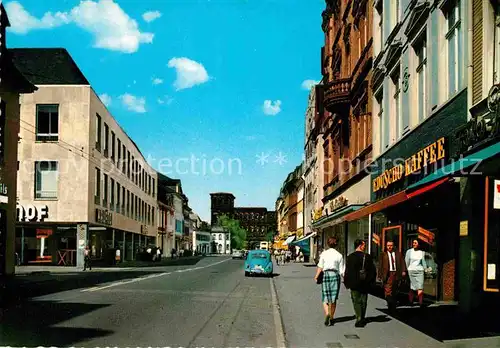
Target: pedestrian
column 415, row 262
column 360, row 276
column 330, row 267
column 87, row 261
column 392, row 271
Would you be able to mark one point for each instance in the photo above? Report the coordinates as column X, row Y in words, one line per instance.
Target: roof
column 3, row 16
column 48, row 66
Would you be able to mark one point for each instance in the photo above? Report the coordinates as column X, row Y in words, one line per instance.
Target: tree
column 270, row 236
column 238, row 234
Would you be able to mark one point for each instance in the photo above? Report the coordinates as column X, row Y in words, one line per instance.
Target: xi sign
column 103, row 217
column 32, row 213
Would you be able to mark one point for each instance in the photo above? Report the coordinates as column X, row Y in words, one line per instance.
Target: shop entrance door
column 394, row 234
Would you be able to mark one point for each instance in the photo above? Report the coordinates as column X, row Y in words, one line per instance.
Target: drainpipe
column 370, row 234
column 469, row 59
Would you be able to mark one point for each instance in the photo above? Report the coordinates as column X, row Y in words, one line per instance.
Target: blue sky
column 189, row 80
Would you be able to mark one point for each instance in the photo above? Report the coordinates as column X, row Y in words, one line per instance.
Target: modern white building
column 82, row 180
column 201, row 241
column 222, row 240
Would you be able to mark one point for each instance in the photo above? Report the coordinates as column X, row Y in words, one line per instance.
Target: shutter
column 477, row 51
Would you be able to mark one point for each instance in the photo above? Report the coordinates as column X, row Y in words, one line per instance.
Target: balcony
column 337, row 94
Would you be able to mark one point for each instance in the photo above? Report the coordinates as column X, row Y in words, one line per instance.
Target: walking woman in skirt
column 415, row 262
column 331, row 266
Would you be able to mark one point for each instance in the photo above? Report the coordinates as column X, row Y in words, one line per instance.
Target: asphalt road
column 208, row 304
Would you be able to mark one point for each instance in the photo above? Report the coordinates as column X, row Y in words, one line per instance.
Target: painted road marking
column 135, row 280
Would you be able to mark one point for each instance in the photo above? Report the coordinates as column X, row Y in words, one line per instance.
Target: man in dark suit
column 392, row 271
column 359, row 277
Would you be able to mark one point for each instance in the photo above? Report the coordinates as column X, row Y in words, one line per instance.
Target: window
column 132, row 205
column 47, row 122
column 454, row 38
column 105, row 191
column 46, row 175
column 421, row 61
column 396, row 105
column 112, row 197
column 136, row 208
column 118, row 193
column 106, row 140
column 113, row 139
column 383, row 124
column 98, row 132
column 119, row 153
column 124, row 163
column 123, row 201
column 154, row 187
column 153, row 217
column 128, row 203
column 128, row 164
column 97, row 189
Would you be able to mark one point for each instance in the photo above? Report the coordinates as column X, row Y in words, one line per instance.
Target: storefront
column 411, row 201
column 42, row 242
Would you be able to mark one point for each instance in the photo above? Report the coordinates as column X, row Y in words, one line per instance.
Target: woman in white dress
column 415, row 262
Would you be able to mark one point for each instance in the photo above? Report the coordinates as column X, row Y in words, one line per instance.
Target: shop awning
column 390, row 201
column 289, row 240
column 304, row 238
column 338, row 215
column 460, row 167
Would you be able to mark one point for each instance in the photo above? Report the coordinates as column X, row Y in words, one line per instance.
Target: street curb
column 278, row 320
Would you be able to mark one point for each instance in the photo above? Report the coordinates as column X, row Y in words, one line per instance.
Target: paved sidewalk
column 300, row 304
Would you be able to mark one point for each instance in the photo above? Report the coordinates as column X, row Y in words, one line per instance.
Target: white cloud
column 271, row 108
column 111, row 27
column 166, row 100
column 106, row 99
column 22, row 21
column 133, row 103
column 308, row 84
column 151, row 16
column 157, row 81
column 189, row 73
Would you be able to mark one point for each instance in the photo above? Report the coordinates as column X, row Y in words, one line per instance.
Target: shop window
column 98, row 131
column 383, row 139
column 47, row 122
column 454, row 38
column 46, row 178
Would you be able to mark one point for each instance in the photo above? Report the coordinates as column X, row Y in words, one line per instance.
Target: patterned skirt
column 330, row 287
column 416, row 280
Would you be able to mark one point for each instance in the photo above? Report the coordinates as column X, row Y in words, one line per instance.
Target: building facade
column 166, row 215
column 82, row 180
column 346, row 122
column 257, row 221
column 13, row 83
column 420, row 109
column 310, row 182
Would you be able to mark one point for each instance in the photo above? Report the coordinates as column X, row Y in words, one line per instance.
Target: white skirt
column 416, row 279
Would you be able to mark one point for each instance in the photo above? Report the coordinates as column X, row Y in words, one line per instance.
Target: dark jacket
column 384, row 266
column 354, row 264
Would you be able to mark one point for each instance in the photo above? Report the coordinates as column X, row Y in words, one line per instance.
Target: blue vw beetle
column 258, row 262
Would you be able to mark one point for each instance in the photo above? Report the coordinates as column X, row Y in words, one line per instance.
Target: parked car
column 238, row 254
column 258, row 262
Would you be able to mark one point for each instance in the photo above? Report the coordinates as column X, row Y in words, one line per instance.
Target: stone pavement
column 302, row 315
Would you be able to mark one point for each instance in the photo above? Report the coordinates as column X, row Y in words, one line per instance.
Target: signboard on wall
column 32, row 213
column 496, row 195
column 103, row 217
column 3, row 241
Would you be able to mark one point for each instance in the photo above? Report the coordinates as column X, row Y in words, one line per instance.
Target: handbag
column 319, row 280
column 362, row 272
